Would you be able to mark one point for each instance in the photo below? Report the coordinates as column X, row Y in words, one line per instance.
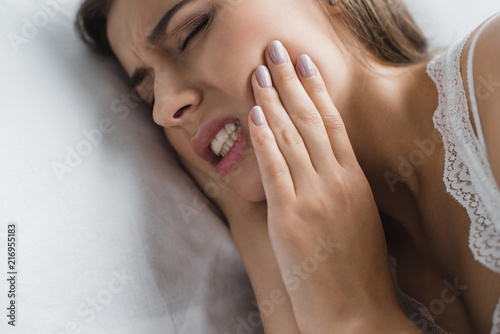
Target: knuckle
column 344, row 188
column 333, row 122
column 338, row 180
column 291, row 136
column 277, row 169
column 317, row 87
column 264, row 138
column 286, row 75
column 309, row 117
column 266, row 99
column 321, row 205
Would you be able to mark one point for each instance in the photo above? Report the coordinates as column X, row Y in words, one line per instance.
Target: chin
column 254, row 193
column 250, row 185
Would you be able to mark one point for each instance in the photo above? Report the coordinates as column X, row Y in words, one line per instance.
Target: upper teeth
column 225, row 139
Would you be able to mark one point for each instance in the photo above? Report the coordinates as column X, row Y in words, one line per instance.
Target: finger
column 276, row 177
column 299, row 106
column 289, row 140
column 315, row 87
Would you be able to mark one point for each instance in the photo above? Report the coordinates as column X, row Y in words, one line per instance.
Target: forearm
column 254, row 246
column 252, row 240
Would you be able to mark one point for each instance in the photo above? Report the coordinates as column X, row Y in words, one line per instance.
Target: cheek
column 236, row 48
column 241, row 34
column 230, row 67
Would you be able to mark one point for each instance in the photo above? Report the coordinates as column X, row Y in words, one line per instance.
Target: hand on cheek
column 317, row 195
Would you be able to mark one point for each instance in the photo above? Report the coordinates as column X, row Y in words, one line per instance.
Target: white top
column 468, row 176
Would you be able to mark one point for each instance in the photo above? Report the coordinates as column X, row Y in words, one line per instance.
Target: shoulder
column 486, row 77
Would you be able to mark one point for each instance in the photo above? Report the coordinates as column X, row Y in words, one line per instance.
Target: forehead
column 129, row 24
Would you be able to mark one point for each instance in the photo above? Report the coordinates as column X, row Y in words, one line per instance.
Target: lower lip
column 233, row 156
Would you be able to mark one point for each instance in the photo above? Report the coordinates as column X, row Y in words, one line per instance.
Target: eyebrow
column 157, row 35
column 160, row 28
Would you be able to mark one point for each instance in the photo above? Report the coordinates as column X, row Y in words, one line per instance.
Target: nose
column 175, row 105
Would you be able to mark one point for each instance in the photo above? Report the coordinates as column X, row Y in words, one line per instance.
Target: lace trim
column 464, row 157
column 468, row 176
column 414, row 310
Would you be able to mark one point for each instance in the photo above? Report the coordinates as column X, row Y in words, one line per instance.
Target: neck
column 389, row 121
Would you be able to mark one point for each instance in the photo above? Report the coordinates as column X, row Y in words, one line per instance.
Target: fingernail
column 306, row 66
column 258, row 116
column 277, row 52
column 263, row 77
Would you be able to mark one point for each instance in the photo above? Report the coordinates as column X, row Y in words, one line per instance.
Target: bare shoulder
column 483, row 284
column 486, row 74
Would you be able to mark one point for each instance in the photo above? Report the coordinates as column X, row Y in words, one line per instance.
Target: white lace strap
column 467, row 174
column 470, row 76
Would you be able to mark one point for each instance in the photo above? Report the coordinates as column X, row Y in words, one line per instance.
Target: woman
column 352, row 121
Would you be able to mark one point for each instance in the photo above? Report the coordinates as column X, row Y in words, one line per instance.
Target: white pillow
column 445, row 22
column 112, row 237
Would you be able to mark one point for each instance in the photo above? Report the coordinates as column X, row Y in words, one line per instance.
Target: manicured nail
column 277, row 52
column 263, row 77
column 258, row 116
column 306, row 66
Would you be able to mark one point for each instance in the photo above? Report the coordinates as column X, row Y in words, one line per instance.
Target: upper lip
column 206, row 133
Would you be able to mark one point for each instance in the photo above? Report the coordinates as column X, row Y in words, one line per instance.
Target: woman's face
column 198, row 67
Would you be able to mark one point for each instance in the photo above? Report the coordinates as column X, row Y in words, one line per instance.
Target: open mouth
column 225, row 139
column 221, row 142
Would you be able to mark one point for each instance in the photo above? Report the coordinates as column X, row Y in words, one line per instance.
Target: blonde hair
column 384, row 28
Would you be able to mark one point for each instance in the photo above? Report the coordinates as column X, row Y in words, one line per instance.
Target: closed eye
column 200, row 23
